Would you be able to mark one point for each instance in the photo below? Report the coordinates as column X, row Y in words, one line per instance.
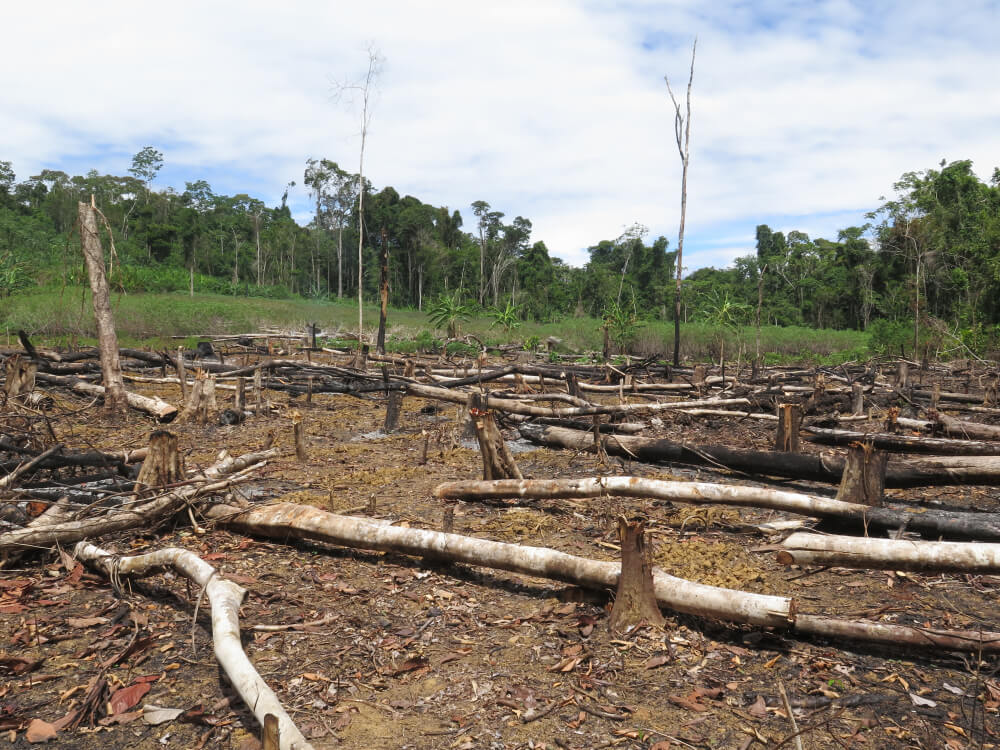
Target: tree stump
column 498, row 463
column 393, row 407
column 201, row 400
column 163, row 465
column 635, row 602
column 863, row 480
column 240, row 399
column 299, row 434
column 857, row 399
column 789, row 421
column 902, row 374
column 20, row 376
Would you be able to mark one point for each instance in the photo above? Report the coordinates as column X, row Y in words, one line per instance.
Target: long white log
column 678, row 594
column 981, row 525
column 286, row 520
column 225, row 598
column 892, row 554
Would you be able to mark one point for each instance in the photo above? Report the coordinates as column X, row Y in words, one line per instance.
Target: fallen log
column 889, row 554
column 225, row 598
column 937, row 522
column 215, row 478
column 514, row 407
column 888, row 441
column 899, row 473
column 156, row 407
column 285, row 520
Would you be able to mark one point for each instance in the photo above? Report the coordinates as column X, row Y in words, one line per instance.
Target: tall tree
column 682, row 134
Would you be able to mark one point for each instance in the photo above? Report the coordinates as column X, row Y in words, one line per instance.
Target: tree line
column 931, row 253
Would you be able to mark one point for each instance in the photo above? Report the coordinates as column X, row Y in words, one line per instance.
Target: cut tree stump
column 789, row 421
column 162, row 466
column 20, row 376
column 201, row 399
column 635, row 601
column 498, row 463
column 863, row 480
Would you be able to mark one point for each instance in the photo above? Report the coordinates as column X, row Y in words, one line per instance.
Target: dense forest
column 930, row 254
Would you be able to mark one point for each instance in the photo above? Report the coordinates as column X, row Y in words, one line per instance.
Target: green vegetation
column 927, row 264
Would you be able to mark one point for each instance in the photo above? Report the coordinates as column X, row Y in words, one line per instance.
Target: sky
column 803, row 114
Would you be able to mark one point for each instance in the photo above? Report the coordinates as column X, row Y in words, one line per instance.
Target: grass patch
column 64, row 317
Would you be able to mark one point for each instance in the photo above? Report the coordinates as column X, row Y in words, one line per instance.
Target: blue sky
column 804, row 113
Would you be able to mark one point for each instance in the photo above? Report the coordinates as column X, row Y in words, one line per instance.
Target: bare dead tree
column 107, row 338
column 682, row 133
column 364, row 89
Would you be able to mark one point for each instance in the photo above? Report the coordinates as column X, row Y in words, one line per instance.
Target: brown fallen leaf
column 759, row 708
column 85, row 622
column 657, row 660
column 17, row 665
column 40, row 731
column 126, row 697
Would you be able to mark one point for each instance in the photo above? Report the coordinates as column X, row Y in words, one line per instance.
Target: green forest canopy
column 932, row 250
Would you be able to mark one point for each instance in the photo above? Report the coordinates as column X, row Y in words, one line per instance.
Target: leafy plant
column 531, row 343
column 622, row 322
column 727, row 314
column 509, row 318
column 446, row 312
column 426, row 342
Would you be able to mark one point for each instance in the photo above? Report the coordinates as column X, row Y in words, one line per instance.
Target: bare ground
column 413, row 653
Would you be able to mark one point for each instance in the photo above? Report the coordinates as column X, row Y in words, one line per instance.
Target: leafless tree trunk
column 365, row 89
column 111, row 370
column 682, row 133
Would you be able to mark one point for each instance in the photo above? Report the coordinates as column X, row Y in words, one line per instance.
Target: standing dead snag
column 863, row 480
column 635, row 602
column 107, row 339
column 498, row 463
column 163, row 465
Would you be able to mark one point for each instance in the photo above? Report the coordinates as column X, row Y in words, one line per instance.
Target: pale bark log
column 111, row 370
column 151, row 405
column 285, row 519
column 890, row 554
column 225, row 598
column 980, row 525
column 898, row 635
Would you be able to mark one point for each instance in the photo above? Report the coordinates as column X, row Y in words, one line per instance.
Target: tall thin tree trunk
column 383, row 292
column 111, row 371
column 682, row 133
column 340, row 262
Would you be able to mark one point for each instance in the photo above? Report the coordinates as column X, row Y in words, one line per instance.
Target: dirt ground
column 411, row 653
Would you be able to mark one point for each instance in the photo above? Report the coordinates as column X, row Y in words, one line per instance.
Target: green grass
column 65, row 317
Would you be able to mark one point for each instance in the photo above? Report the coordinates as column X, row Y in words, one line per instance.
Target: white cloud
column 555, row 111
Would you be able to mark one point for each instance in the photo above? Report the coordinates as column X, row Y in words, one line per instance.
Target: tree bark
column 976, row 558
column 20, row 376
column 111, row 371
column 498, row 463
column 863, row 480
column 163, row 465
column 789, row 421
column 635, row 600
